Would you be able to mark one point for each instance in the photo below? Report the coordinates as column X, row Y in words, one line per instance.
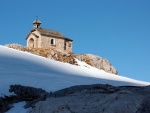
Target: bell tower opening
column 37, row 23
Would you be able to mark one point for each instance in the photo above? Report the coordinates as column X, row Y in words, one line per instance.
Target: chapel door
column 31, row 43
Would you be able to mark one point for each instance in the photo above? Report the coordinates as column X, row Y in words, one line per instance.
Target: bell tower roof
column 37, row 23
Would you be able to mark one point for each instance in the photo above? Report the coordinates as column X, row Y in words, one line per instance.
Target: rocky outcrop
column 90, row 59
column 22, row 93
column 6, row 103
column 97, row 99
column 29, row 94
column 97, row 62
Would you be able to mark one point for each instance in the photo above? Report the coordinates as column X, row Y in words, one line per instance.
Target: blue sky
column 118, row 30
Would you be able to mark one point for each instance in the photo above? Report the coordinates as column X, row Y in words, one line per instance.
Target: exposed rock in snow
column 22, row 93
column 97, row 99
column 90, row 59
column 17, row 67
column 97, row 62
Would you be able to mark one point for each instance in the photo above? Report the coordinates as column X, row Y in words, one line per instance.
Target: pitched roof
column 49, row 32
column 37, row 22
column 52, row 33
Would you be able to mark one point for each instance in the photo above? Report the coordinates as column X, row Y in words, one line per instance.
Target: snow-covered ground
column 18, row 108
column 17, row 67
column 23, row 68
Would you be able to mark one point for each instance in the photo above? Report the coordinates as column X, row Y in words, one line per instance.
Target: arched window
column 53, row 41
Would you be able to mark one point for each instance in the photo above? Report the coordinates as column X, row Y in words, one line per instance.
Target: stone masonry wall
column 36, row 40
column 59, row 44
column 34, row 43
column 69, row 46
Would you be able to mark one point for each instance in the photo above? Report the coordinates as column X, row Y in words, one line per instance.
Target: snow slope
column 23, row 68
column 18, row 108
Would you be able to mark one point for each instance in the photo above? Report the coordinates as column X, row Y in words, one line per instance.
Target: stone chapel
column 43, row 38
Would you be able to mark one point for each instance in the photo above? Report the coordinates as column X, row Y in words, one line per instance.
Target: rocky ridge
column 90, row 59
column 96, row 98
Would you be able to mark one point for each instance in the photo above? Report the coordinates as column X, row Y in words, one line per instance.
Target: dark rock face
column 23, row 93
column 29, row 94
column 97, row 98
column 5, row 103
column 144, row 108
column 4, row 106
column 96, row 88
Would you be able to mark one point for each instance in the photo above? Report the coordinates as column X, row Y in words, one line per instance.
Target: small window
column 65, row 44
column 70, row 44
column 53, row 41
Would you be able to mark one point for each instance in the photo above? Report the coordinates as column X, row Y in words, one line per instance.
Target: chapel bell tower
column 37, row 23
